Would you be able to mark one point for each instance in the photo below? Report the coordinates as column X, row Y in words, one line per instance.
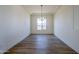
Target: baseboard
column 42, row 34
column 70, row 46
column 3, row 52
column 66, row 44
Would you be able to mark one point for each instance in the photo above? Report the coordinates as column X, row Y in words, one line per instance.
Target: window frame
column 41, row 23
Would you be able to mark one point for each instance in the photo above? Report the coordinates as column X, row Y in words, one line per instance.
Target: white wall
column 49, row 26
column 14, row 26
column 66, row 21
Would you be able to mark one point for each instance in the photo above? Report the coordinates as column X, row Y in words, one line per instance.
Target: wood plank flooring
column 41, row 44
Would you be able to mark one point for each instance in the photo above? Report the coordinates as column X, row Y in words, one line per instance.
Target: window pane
column 41, row 23
column 44, row 26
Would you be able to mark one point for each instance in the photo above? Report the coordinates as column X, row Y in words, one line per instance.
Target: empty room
column 39, row 29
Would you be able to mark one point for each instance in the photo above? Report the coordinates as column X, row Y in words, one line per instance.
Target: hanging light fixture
column 41, row 11
column 43, row 19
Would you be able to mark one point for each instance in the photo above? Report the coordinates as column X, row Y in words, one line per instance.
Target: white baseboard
column 3, row 51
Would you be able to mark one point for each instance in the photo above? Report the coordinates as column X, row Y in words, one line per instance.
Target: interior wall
column 66, row 25
column 14, row 26
column 49, row 27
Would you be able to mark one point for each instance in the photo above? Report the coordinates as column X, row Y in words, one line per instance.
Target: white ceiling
column 37, row 8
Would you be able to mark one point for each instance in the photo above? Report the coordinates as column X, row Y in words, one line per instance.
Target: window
column 41, row 23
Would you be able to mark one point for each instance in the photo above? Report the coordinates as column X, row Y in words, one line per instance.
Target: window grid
column 41, row 23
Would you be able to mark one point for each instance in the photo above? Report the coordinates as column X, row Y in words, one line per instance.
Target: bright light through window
column 41, row 23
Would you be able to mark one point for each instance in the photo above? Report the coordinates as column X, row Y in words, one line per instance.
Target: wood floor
column 41, row 44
